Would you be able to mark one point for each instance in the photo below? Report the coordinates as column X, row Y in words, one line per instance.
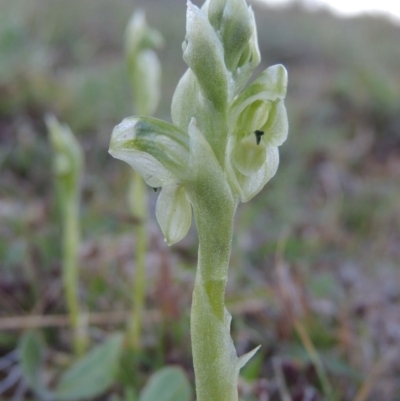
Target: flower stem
column 138, row 202
column 71, row 238
column 214, row 355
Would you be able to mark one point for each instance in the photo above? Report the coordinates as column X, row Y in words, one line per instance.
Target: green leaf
column 252, row 370
column 168, row 384
column 32, row 349
column 93, row 374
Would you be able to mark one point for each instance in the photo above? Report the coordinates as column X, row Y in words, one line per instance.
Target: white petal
column 174, row 213
column 249, row 156
column 269, row 86
column 157, row 150
column 251, row 185
column 277, row 128
column 152, row 171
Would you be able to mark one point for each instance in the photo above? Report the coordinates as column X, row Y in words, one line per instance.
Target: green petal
column 251, row 185
column 247, row 186
column 174, row 213
column 249, row 156
column 271, row 85
column 157, row 150
column 277, row 127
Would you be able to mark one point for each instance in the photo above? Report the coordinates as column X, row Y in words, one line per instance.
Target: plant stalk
column 71, row 239
column 214, row 355
column 138, row 202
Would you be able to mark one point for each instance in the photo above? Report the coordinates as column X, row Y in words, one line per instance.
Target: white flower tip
column 123, row 132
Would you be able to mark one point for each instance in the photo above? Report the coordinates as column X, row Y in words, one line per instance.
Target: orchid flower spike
column 143, row 65
column 241, row 129
column 68, row 155
column 221, row 149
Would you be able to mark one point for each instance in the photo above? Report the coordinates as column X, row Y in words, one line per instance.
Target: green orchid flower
column 145, row 76
column 68, row 163
column 221, row 149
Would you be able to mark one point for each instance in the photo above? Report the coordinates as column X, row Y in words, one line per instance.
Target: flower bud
column 235, row 28
column 204, row 54
column 215, row 12
column 145, row 78
column 68, row 156
column 143, row 65
column 139, row 36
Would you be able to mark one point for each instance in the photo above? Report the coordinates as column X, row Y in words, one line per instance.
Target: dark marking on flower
column 155, row 189
column 258, row 134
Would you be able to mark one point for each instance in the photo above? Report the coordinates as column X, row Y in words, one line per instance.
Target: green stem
column 138, row 202
column 71, row 240
column 214, row 355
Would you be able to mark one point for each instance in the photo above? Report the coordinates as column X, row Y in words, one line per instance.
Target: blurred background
column 315, row 271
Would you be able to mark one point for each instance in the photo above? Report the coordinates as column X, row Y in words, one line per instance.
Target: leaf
column 31, row 348
column 252, row 370
column 246, row 357
column 168, row 384
column 93, row 374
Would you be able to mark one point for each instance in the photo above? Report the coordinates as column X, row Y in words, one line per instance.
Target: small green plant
column 222, row 148
column 144, row 73
column 67, row 167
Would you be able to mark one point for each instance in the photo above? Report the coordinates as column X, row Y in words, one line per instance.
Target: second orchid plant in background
column 145, row 74
column 221, row 149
